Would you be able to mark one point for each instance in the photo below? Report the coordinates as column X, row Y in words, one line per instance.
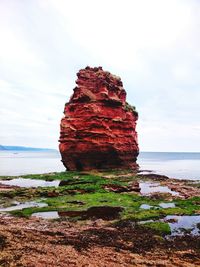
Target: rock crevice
column 98, row 129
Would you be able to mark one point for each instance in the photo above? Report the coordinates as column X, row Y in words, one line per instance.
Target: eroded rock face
column 98, row 129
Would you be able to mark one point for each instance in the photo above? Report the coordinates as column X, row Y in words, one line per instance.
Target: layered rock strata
column 98, row 129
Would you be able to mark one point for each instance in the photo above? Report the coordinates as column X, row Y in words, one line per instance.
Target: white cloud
column 119, row 31
column 152, row 45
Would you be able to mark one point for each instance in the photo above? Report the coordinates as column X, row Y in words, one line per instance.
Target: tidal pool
column 167, row 205
column 161, row 205
column 99, row 212
column 20, row 206
column 148, row 188
column 181, row 225
column 28, row 183
column 46, row 215
column 146, row 207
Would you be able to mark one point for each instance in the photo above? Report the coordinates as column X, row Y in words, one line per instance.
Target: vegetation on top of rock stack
column 131, row 108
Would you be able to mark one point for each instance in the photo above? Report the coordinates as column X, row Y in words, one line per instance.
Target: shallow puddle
column 148, row 188
column 181, row 225
column 102, row 212
column 20, row 206
column 28, row 183
column 167, row 205
column 146, row 207
column 47, row 215
column 161, row 205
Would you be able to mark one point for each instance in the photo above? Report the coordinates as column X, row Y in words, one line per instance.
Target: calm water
column 25, row 182
column 176, row 165
column 26, row 162
column 152, row 187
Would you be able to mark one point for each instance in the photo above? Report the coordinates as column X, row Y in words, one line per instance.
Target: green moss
column 160, row 227
column 129, row 202
column 188, row 206
column 89, row 190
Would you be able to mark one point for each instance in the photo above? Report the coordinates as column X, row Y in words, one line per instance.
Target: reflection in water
column 146, row 207
column 181, row 225
column 101, row 212
column 21, row 182
column 162, row 205
column 152, row 187
column 47, row 215
column 20, row 206
column 167, row 205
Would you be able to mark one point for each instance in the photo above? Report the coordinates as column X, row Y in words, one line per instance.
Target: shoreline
column 84, row 235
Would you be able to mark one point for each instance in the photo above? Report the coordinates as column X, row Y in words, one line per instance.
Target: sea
column 177, row 165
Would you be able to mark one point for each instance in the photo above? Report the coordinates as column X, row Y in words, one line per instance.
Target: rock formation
column 98, row 129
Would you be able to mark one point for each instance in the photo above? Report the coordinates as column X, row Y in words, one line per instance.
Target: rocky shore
column 39, row 242
column 115, row 218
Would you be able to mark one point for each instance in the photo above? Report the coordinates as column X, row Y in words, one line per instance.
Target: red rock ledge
column 98, row 129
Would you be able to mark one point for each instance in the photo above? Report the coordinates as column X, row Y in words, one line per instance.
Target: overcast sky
column 154, row 46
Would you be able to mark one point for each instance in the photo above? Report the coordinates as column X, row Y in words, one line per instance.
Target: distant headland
column 23, row 148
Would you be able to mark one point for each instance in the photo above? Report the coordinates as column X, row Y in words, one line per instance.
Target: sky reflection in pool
column 148, row 188
column 28, row 183
column 20, row 206
column 184, row 224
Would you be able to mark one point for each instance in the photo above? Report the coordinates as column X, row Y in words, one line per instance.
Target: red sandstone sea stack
column 98, row 129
